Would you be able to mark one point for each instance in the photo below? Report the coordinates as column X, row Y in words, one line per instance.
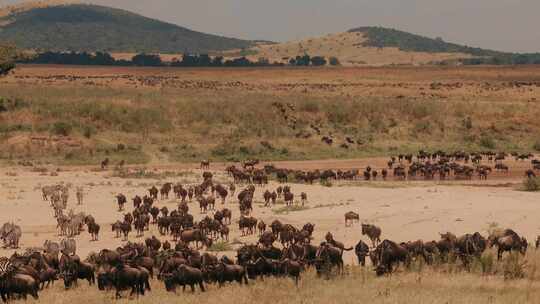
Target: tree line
column 187, row 60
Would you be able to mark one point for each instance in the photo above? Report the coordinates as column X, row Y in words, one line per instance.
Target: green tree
column 318, row 61
column 8, row 55
column 334, row 61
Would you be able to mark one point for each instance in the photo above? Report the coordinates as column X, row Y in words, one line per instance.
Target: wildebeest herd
column 181, row 255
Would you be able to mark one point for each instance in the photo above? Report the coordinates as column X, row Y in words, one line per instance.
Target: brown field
column 169, row 119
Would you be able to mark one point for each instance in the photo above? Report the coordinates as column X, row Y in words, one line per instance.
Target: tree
column 318, row 61
column 8, row 55
column 146, row 60
column 334, row 61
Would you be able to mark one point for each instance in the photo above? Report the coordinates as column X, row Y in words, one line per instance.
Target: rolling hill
column 381, row 37
column 353, row 49
column 82, row 27
column 385, row 46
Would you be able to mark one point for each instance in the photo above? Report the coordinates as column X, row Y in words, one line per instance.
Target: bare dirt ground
column 404, row 210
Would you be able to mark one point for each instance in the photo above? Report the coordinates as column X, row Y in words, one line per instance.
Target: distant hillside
column 381, row 37
column 351, row 49
column 81, row 27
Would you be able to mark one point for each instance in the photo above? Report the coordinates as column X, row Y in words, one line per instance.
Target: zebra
column 10, row 234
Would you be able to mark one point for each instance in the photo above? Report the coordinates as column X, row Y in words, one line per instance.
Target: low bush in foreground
column 531, row 184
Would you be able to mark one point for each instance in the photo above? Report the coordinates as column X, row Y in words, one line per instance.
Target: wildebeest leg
column 201, row 285
column 192, row 288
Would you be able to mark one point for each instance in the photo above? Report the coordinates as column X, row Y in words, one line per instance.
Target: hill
column 381, row 37
column 384, row 46
column 352, row 49
column 82, row 27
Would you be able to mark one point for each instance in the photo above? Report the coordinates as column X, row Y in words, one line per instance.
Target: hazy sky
column 508, row 25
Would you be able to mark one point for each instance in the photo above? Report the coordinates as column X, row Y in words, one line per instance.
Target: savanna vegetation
column 180, row 125
column 487, row 282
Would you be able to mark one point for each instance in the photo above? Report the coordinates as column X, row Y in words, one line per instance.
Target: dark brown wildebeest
column 184, row 275
column 247, row 225
column 195, row 235
column 384, row 174
column 507, row 240
column 222, row 192
column 470, row 245
column 279, row 191
column 291, row 268
column 276, row 226
column 330, row 240
column 224, row 233
column 373, row 232
column 389, row 254
column 165, row 189
column 137, row 201
column 282, row 177
column 267, row 196
column 93, row 229
column 205, row 164
column 223, row 272
column 267, row 239
column 126, row 277
column 328, row 257
column 105, row 164
column 350, row 218
column 273, row 197
column 303, row 197
column 121, row 200
column 153, row 192
column 362, row 251
column 207, row 176
column 288, row 197
column 261, row 226
column 204, row 202
column 125, row 228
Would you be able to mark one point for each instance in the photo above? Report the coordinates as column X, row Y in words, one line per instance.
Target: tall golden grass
column 443, row 283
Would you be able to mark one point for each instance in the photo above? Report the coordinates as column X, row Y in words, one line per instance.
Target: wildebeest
column 184, row 275
column 362, row 251
column 373, row 232
column 121, row 200
column 388, row 254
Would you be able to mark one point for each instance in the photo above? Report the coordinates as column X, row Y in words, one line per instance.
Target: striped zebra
column 10, row 234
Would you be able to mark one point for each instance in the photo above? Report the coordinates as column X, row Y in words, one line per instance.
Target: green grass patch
column 220, row 247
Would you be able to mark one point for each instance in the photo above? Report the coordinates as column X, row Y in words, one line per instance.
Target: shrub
column 514, row 267
column 61, row 128
column 326, row 183
column 531, row 184
column 467, row 123
column 487, row 142
column 536, row 146
column 422, row 127
column 334, row 61
column 220, row 246
column 89, row 131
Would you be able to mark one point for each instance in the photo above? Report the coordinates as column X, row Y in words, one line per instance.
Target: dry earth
column 404, row 210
